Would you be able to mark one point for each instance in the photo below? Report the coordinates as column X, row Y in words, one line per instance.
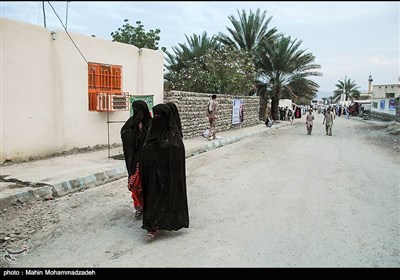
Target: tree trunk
column 275, row 107
column 263, row 107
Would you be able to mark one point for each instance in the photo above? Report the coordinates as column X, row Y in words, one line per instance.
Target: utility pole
column 344, row 89
column 66, row 17
column 44, row 14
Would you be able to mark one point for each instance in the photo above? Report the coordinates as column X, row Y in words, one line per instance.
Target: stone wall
column 192, row 109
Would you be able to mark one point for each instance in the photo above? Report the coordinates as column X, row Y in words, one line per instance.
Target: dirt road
column 285, row 199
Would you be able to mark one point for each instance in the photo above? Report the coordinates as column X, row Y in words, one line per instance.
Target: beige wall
column 379, row 91
column 44, row 89
column 152, row 74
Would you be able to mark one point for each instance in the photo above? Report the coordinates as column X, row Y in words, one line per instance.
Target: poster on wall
column 382, row 105
column 237, row 111
column 392, row 104
column 146, row 98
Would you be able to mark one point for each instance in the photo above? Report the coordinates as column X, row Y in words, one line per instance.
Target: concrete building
column 385, row 102
column 60, row 92
column 385, row 91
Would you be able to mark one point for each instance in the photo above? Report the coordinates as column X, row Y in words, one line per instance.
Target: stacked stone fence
column 192, row 108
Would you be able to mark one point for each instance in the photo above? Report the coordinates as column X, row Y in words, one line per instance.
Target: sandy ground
column 285, row 199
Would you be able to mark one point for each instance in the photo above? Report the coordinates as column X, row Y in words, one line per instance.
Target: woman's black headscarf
column 132, row 136
column 163, row 174
column 175, row 113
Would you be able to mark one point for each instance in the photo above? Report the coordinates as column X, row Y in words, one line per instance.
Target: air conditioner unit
column 119, row 103
column 112, row 102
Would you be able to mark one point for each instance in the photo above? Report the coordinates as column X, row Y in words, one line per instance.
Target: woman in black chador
column 133, row 134
column 163, row 174
column 177, row 118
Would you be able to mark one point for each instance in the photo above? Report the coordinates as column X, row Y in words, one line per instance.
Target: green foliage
column 249, row 30
column 222, row 71
column 252, row 57
column 184, row 54
column 137, row 36
column 285, row 69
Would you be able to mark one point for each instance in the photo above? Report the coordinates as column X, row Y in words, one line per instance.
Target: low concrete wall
column 192, row 108
column 384, row 116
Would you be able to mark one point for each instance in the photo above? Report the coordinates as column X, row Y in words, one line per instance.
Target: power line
column 67, row 32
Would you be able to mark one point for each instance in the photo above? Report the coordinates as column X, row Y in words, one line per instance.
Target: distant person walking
column 212, row 112
column 309, row 122
column 133, row 134
column 290, row 115
column 328, row 120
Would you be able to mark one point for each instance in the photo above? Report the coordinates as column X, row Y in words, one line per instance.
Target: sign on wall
column 237, row 111
column 382, row 105
column 146, row 98
column 392, row 104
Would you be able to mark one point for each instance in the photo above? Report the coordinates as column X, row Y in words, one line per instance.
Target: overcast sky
column 350, row 39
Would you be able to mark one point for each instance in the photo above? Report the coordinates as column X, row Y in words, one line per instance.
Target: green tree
column 284, row 71
column 347, row 87
column 185, row 54
column 247, row 33
column 222, row 71
column 137, row 36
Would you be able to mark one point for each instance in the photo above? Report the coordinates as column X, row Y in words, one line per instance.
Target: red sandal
column 150, row 235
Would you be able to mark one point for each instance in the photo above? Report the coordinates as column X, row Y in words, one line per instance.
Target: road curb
column 66, row 187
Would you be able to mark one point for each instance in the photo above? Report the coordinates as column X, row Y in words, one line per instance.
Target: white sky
column 350, row 39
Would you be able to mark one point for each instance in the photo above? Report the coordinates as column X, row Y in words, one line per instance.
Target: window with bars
column 105, row 88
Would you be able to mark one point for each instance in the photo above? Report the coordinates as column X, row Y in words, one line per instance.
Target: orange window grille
column 103, row 80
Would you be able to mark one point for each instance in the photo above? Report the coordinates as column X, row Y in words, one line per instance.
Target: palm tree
column 348, row 88
column 248, row 31
column 285, row 70
column 196, row 47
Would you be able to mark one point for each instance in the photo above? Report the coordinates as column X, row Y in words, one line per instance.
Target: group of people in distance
column 155, row 160
column 329, row 116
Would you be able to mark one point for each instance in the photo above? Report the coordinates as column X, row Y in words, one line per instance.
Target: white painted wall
column 376, row 106
column 44, row 89
column 285, row 103
column 379, row 91
column 149, row 64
